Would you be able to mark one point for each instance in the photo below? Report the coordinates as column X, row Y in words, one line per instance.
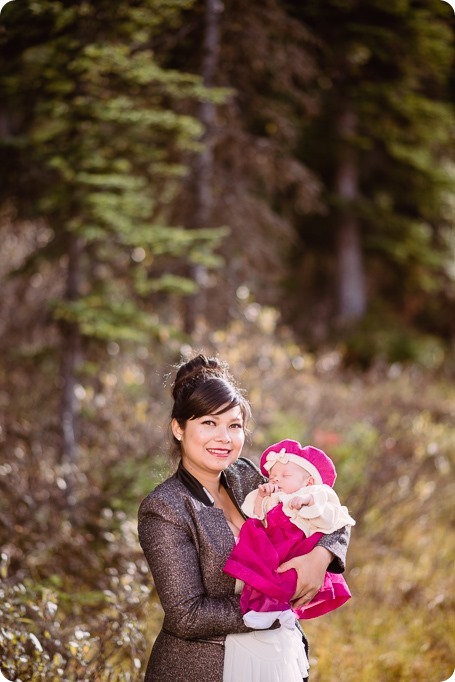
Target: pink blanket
column 259, row 552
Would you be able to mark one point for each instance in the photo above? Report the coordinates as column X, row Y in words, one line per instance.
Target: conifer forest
column 271, row 182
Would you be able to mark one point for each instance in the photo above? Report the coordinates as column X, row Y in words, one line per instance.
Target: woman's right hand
column 310, row 569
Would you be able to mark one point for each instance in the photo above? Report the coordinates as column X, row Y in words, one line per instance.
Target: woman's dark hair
column 203, row 386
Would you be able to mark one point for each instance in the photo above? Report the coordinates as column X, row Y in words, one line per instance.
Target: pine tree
column 264, row 63
column 380, row 144
column 96, row 147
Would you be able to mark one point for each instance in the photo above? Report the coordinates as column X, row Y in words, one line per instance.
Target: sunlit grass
column 400, row 623
column 82, row 588
column 370, row 642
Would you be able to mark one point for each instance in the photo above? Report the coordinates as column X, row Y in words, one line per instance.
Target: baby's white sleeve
column 268, row 502
column 325, row 515
column 248, row 505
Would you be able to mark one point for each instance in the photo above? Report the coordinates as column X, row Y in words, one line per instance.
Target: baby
column 288, row 516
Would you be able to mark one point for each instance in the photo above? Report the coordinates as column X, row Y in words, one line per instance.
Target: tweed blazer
column 186, row 544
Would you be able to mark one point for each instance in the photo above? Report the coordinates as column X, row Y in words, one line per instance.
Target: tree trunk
column 351, row 293
column 70, row 358
column 203, row 165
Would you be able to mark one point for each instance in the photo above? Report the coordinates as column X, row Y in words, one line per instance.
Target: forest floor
column 76, row 597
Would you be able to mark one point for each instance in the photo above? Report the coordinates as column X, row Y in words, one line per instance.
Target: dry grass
column 81, row 586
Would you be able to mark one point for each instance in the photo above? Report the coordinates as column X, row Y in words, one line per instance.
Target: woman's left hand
column 310, row 570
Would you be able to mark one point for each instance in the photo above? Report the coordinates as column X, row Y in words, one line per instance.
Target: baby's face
column 288, row 477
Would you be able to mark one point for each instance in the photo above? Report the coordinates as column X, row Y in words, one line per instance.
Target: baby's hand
column 300, row 501
column 266, row 489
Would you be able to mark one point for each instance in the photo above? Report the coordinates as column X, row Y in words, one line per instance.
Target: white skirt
column 265, row 656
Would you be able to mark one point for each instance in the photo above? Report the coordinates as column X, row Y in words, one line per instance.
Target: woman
column 188, row 524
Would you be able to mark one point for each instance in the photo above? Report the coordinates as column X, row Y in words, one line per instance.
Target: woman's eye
column 237, row 426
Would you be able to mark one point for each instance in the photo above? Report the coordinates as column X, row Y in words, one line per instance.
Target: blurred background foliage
column 272, row 182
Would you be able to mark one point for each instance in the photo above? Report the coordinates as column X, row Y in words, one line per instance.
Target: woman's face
column 212, row 442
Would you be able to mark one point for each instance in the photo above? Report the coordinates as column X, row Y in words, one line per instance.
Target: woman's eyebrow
column 239, row 418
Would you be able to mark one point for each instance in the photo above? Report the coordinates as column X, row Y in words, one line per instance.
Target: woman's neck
column 211, row 481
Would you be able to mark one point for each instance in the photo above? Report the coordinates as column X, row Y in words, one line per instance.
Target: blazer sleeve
column 168, row 545
column 337, row 543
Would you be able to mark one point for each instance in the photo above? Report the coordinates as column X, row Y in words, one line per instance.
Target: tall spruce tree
column 202, row 166
column 264, row 63
column 94, row 144
column 381, row 144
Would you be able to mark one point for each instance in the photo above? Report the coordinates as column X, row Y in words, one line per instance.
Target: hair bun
column 199, row 368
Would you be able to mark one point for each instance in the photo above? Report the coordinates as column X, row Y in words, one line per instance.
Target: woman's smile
column 219, row 451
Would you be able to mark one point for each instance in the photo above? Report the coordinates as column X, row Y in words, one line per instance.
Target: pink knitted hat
column 313, row 460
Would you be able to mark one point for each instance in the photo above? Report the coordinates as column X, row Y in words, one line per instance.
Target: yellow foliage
column 75, row 578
